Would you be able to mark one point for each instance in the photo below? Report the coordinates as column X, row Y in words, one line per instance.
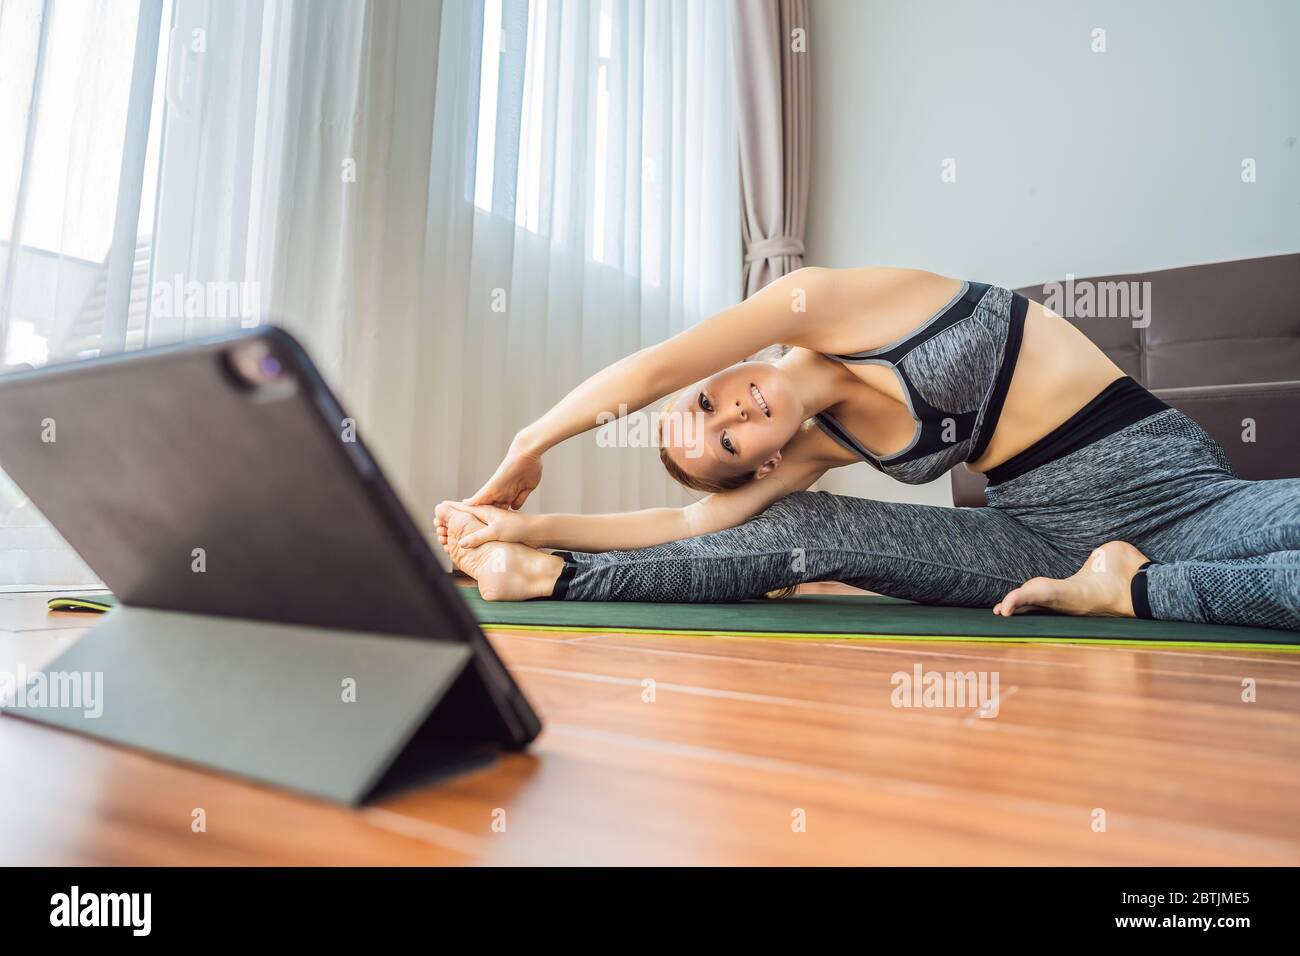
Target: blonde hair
column 696, row 483
column 708, row 486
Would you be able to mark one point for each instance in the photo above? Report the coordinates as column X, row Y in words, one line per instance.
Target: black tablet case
column 162, row 452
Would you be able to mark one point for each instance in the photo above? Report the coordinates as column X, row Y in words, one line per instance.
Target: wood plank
column 71, row 800
column 743, row 736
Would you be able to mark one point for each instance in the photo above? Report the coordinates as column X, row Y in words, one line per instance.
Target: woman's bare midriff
column 1058, row 372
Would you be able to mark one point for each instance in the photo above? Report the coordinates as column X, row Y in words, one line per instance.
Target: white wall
column 1067, row 160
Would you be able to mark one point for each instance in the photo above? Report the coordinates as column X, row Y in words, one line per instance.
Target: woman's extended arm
column 643, row 529
column 631, row 383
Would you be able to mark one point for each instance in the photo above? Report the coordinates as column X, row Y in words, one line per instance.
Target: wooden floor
column 752, row 751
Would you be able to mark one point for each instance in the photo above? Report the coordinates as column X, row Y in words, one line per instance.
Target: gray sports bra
column 955, row 370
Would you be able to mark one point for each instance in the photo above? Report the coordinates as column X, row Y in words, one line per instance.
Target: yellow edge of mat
column 75, row 604
column 950, row 638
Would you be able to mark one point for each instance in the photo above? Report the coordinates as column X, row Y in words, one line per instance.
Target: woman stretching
column 1102, row 499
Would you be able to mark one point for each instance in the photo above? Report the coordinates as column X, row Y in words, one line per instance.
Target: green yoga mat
column 862, row 616
column 839, row 616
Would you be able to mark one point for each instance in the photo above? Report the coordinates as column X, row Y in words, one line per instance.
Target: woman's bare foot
column 1099, row 589
column 505, row 571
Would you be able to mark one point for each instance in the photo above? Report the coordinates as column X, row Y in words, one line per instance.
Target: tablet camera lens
column 255, row 368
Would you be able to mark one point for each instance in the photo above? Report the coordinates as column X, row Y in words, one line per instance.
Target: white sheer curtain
column 584, row 204
column 460, row 238
column 463, row 208
column 76, row 100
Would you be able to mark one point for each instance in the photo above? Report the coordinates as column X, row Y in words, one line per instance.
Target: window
column 513, row 78
column 82, row 91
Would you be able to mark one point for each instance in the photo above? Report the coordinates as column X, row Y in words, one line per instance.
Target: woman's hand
column 499, row 524
column 513, row 481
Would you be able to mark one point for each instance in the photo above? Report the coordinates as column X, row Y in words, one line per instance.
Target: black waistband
column 1118, row 405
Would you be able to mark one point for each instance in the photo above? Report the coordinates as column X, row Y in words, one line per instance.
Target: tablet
column 222, row 477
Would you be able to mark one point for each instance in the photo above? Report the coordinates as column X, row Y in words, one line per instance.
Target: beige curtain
column 774, row 114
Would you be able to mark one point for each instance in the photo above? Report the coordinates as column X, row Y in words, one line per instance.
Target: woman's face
column 734, row 422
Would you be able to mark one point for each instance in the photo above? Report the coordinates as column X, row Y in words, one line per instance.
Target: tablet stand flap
column 325, row 712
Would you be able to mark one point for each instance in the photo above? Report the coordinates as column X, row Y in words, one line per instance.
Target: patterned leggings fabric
column 1225, row 551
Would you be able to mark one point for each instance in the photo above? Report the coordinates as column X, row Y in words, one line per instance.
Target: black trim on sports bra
column 940, row 430
column 1118, row 405
column 844, row 438
column 998, row 395
column 958, row 308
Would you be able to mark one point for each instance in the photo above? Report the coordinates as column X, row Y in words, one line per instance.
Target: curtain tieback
column 771, row 248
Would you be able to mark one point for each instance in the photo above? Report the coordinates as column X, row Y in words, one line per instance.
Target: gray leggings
column 1227, row 551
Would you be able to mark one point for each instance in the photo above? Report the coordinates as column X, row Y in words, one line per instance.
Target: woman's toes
column 1033, row 594
column 1100, row 587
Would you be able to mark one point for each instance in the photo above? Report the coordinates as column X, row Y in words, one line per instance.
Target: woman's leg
column 1262, row 591
column 1161, row 490
column 1240, row 519
column 953, row 556
column 1236, row 561
column 1232, row 558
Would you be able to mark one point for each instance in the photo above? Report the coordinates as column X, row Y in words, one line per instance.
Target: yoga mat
column 838, row 616
column 863, row 616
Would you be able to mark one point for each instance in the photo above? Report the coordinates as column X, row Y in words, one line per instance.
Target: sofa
column 1221, row 343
